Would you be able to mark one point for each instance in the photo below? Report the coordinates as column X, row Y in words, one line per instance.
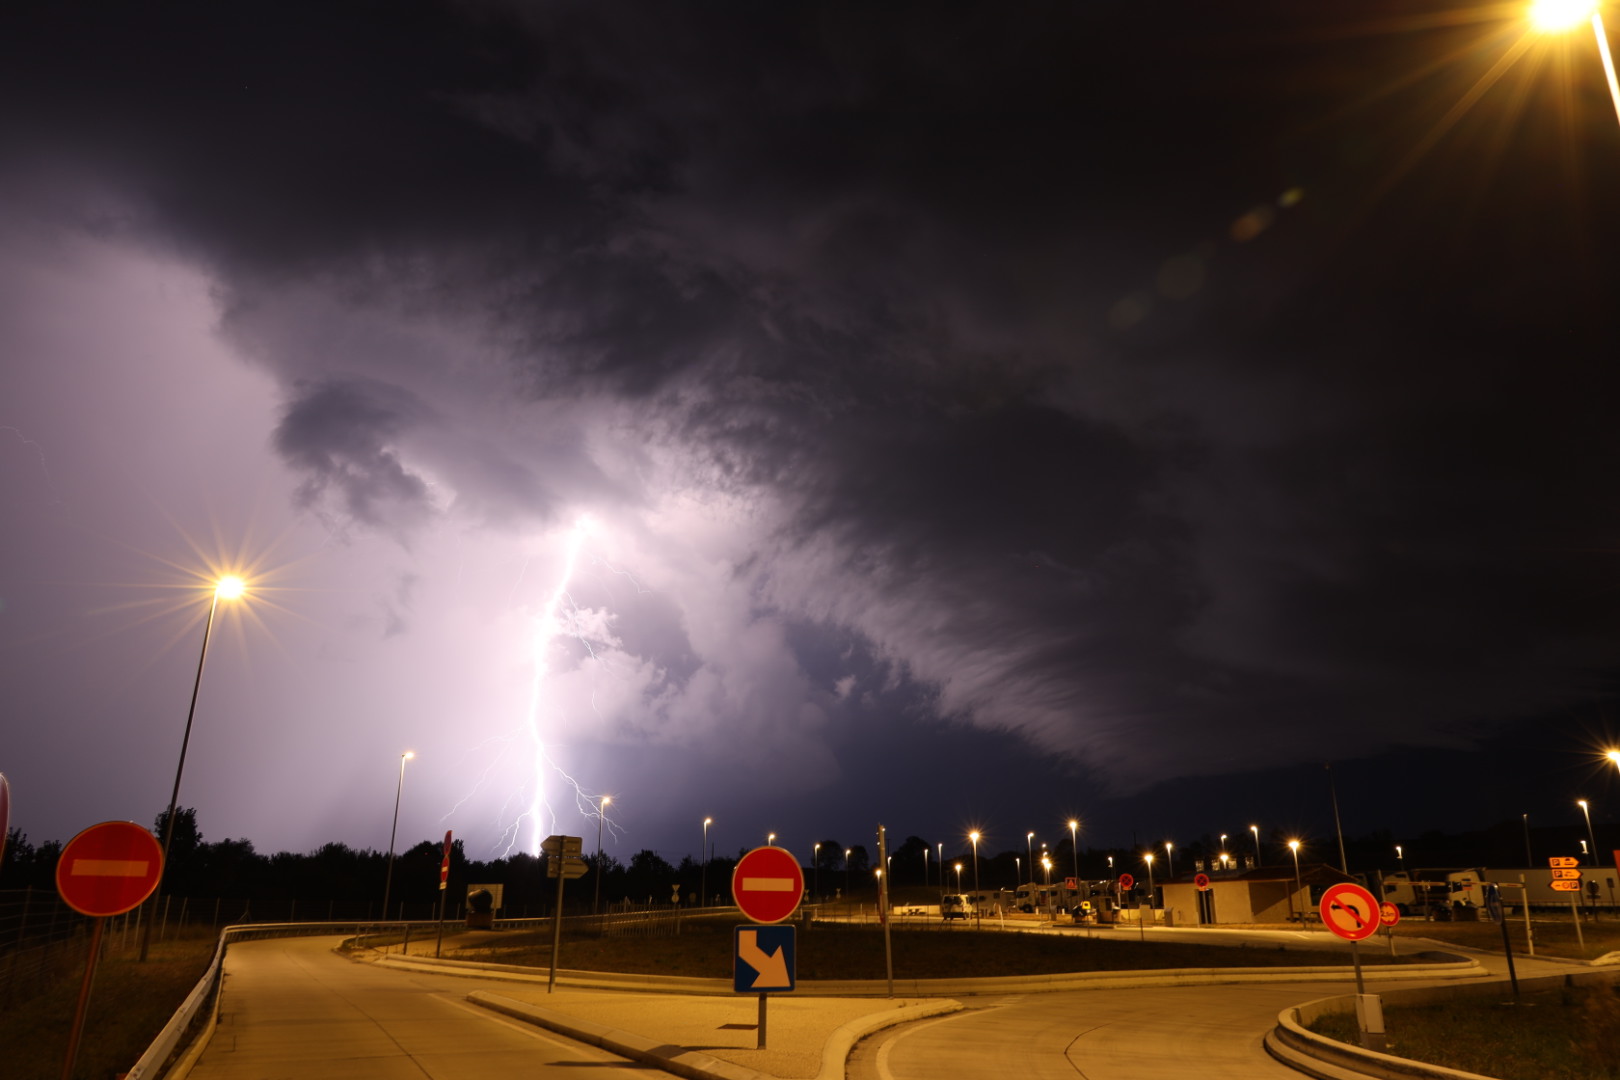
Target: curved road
column 291, row 1007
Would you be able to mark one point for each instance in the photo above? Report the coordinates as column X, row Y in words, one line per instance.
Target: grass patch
column 1555, row 935
column 703, row 950
column 1571, row 1034
column 129, row 1005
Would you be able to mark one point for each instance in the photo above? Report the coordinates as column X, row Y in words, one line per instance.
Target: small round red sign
column 1202, row 881
column 1350, row 911
column 1389, row 914
column 1126, row 882
column 767, row 884
column 109, row 869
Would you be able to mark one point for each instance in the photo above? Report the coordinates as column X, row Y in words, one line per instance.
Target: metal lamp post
column 1148, row 858
column 1256, row 830
column 1169, row 859
column 1029, row 846
column 1587, row 812
column 228, row 588
column 703, row 875
column 815, row 868
column 399, row 790
column 1293, row 845
column 1074, row 842
column 601, row 812
column 847, row 853
column 974, row 837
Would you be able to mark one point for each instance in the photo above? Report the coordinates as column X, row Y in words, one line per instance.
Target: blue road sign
column 762, row 959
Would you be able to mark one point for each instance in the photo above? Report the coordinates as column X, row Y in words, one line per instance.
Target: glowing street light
column 847, row 853
column 1029, row 844
column 770, row 839
column 1256, row 830
column 958, row 877
column 1293, row 845
column 1169, row 858
column 974, row 837
column 1046, row 864
column 1147, row 857
column 1562, row 16
column 1614, row 756
column 1400, row 856
column 399, row 790
column 703, row 875
column 229, row 587
column 601, row 812
column 1074, row 842
column 1587, row 811
column 815, row 867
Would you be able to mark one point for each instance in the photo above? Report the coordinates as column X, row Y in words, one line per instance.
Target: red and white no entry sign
column 767, row 884
column 1350, row 911
column 109, row 869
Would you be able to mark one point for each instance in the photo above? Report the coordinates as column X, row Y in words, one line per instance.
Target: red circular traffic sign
column 109, row 869
column 1126, row 881
column 1350, row 911
column 1202, row 881
column 767, row 884
column 1389, row 914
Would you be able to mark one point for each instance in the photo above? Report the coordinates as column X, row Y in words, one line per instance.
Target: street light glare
column 407, row 755
column 230, row 587
column 1554, row 16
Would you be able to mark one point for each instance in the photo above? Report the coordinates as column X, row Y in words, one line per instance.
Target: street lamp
column 958, row 877
column 703, row 875
column 1588, row 812
column 925, row 866
column 601, row 812
column 1029, row 844
column 229, row 587
column 815, row 867
column 399, row 789
column 1046, row 864
column 1614, row 756
column 1400, row 856
column 770, row 839
column 1558, row 16
column 1256, row 830
column 1148, row 858
column 1018, row 872
column 1293, row 845
column 1074, row 842
column 847, row 853
column 1169, row 859
column 974, row 837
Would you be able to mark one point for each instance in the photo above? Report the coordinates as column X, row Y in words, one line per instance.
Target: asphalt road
column 293, row 1008
column 1212, row 1033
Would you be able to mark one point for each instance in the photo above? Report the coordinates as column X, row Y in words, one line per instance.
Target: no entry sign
column 1350, row 911
column 767, row 884
column 109, row 869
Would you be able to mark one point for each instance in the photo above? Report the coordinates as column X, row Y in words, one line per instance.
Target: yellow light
column 1556, row 16
column 974, row 837
column 1293, row 845
column 230, row 587
column 407, row 755
column 1614, row 756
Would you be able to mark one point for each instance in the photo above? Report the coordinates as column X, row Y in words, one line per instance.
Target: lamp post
column 1029, row 844
column 1587, row 811
column 1046, row 864
column 703, row 875
column 1614, row 756
column 1400, row 856
column 958, row 877
column 1148, row 858
column 1256, row 830
column 1018, row 871
column 1169, row 860
column 1556, row 16
column 847, row 853
column 601, row 812
column 974, row 837
column 815, row 866
column 1293, row 845
column 229, row 587
column 1074, row 842
column 399, row 789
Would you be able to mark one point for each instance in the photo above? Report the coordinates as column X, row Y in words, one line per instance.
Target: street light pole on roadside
column 815, row 868
column 1587, row 812
column 974, row 837
column 1293, row 845
column 1074, row 842
column 1256, row 830
column 399, row 790
column 703, row 875
column 1169, row 860
column 1029, row 844
column 229, row 587
column 1148, row 858
column 847, row 853
column 601, row 812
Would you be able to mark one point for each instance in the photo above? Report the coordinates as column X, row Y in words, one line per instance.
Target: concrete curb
column 1011, row 984
column 1328, row 1059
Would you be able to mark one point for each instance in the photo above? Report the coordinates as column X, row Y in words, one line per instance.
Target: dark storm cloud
column 860, row 262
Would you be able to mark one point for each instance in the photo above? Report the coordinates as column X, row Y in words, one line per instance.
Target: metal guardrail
column 159, row 1055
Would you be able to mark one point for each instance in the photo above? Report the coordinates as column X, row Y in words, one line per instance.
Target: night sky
column 808, row 416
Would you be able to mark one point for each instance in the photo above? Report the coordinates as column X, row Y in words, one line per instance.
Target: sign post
column 1352, row 913
column 563, row 861
column 1566, row 877
column 106, row 870
column 767, row 885
column 444, row 880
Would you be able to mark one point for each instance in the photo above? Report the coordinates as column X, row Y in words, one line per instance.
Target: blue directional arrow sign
column 762, row 959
